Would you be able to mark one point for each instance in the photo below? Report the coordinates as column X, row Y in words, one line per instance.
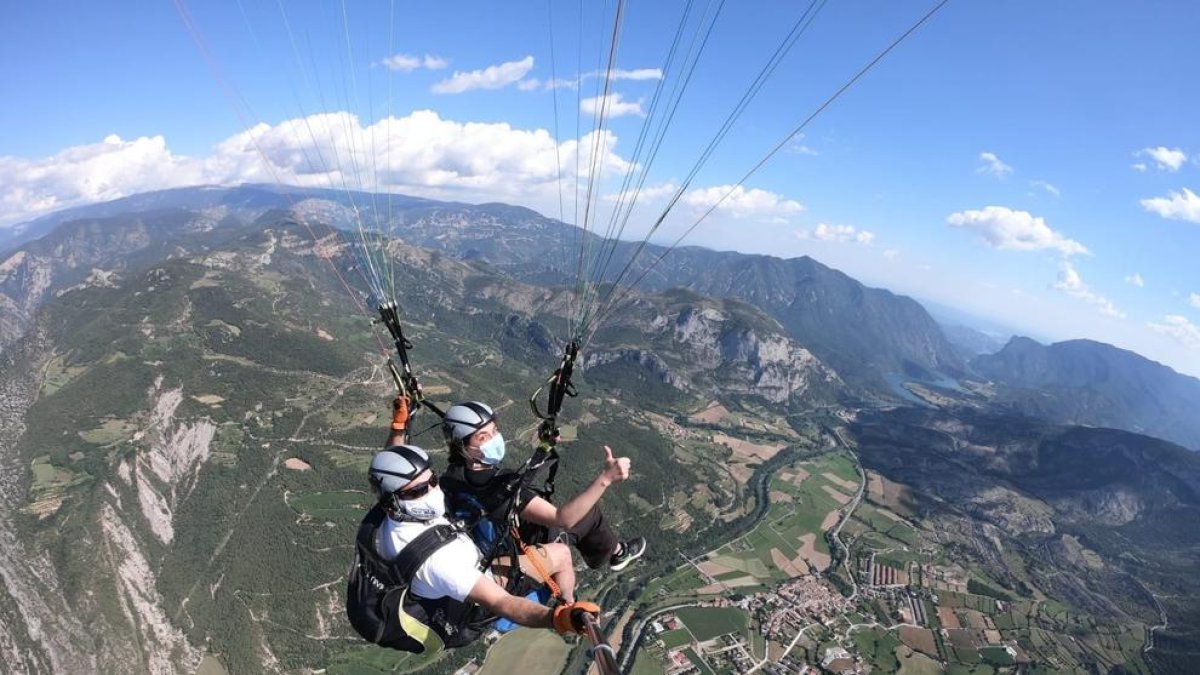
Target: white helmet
column 464, row 419
column 395, row 467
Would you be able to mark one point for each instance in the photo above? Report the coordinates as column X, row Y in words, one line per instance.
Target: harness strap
column 417, row 551
column 555, row 591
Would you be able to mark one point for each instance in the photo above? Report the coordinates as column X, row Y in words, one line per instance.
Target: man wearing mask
column 474, row 481
column 447, row 586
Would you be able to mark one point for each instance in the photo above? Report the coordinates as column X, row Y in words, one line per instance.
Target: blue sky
column 1033, row 162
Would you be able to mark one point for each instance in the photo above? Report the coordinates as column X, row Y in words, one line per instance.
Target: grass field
column 997, row 656
column 211, row 666
column 47, row 476
column 526, row 650
column 331, row 505
column 675, row 638
column 371, row 660
column 879, row 649
column 706, row 623
column 58, row 375
column 109, row 432
column 647, row 664
column 343, row 459
column 698, row 662
column 916, row 663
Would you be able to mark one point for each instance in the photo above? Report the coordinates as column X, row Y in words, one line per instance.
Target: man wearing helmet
column 448, row 585
column 475, row 482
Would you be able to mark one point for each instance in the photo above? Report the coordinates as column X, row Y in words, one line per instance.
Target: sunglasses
column 420, row 490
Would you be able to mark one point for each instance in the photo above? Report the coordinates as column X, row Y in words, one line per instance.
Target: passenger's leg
column 555, row 560
column 594, row 539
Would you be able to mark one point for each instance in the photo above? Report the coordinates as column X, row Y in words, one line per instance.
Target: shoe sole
column 625, row 563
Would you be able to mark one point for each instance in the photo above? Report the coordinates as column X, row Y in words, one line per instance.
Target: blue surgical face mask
column 492, row 452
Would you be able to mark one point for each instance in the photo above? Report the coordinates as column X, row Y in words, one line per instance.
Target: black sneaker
column 630, row 550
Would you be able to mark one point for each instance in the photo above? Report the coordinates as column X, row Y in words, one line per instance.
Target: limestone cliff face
column 767, row 364
column 25, row 280
column 697, row 345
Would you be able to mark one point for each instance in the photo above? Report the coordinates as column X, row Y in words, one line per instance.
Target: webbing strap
column 555, row 591
column 418, row 550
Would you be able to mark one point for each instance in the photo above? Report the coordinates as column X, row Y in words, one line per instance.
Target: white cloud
column 743, row 203
column 841, row 234
column 1177, row 206
column 420, row 154
column 101, row 171
column 992, row 165
column 649, row 193
column 407, row 63
column 637, row 74
column 614, row 107
column 797, row 146
column 492, row 77
column 1020, row 230
column 1194, row 300
column 1140, row 167
column 1045, row 186
column 1072, row 284
column 1135, row 279
column 891, row 254
column 1178, row 327
column 1166, row 159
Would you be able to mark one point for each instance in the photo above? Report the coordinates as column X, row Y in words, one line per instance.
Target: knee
column 560, row 556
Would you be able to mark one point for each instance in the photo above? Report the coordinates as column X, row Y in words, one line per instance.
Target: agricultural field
column 789, row 541
column 526, row 650
column 50, row 481
column 323, row 507
column 706, row 623
column 371, row 660
column 878, row 647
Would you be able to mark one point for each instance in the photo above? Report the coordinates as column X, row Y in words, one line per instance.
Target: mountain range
column 187, row 396
column 1095, row 384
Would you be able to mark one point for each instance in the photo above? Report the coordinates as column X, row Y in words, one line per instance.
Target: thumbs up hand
column 616, row 469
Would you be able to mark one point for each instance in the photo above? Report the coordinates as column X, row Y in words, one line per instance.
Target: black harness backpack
column 382, row 610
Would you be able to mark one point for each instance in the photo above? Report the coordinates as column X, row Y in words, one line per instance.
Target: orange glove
column 400, row 413
column 569, row 618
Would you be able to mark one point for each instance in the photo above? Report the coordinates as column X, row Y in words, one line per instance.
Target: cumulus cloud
column 1166, row 159
column 840, row 234
column 742, row 203
column 101, row 171
column 1194, row 300
column 1140, row 167
column 992, row 166
column 1005, row 228
column 1178, row 327
column 612, row 105
column 492, row 77
column 406, row 63
column 1135, row 279
column 420, row 154
column 1045, row 186
column 1183, row 205
column 648, row 193
column 1072, row 284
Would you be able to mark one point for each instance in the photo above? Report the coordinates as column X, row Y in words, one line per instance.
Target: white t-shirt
column 452, row 571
